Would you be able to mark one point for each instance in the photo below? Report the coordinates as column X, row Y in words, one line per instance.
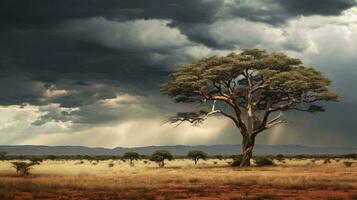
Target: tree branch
column 275, row 123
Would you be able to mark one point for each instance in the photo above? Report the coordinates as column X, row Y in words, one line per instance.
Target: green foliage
column 195, row 155
column 131, row 156
column 237, row 159
column 160, row 156
column 263, row 161
column 282, row 76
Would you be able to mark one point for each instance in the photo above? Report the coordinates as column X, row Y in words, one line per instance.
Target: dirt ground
column 180, row 179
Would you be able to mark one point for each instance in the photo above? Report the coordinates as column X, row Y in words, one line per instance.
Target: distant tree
column 36, row 160
column 160, row 156
column 280, row 157
column 195, row 155
column 23, row 168
column 253, row 85
column 219, row 157
column 51, row 157
column 3, row 155
column 131, row 156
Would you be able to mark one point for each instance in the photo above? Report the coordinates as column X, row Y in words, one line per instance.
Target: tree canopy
column 160, row 156
column 131, row 156
column 195, row 155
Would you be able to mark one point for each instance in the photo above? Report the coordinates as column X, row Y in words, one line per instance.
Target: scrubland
column 181, row 179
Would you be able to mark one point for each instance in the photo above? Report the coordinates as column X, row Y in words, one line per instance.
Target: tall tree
column 255, row 85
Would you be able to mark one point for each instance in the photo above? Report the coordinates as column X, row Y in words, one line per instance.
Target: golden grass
column 179, row 174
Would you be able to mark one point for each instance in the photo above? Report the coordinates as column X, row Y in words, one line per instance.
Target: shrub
column 348, row 164
column 219, row 157
column 237, row 159
column 327, row 160
column 110, row 165
column 262, row 161
column 280, row 157
column 51, row 157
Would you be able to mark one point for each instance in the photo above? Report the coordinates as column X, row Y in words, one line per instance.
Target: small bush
column 237, row 159
column 111, row 165
column 280, row 157
column 261, row 162
column 219, row 157
column 348, row 164
column 327, row 161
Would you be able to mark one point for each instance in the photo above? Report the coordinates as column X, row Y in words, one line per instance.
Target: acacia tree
column 256, row 86
column 23, row 168
column 131, row 156
column 160, row 156
column 195, row 155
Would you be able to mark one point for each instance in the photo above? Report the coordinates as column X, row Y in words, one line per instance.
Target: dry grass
column 179, row 179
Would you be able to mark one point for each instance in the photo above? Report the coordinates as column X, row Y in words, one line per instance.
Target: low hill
column 178, row 150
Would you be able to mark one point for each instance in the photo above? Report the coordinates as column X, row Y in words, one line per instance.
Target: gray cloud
column 69, row 64
column 279, row 11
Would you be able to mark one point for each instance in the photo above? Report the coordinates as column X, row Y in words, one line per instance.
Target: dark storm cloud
column 70, row 52
column 317, row 7
column 47, row 13
column 279, row 11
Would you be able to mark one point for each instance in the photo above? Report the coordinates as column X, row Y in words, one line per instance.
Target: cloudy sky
column 87, row 72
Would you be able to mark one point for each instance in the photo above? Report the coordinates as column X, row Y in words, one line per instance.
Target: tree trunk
column 161, row 164
column 247, row 150
column 196, row 161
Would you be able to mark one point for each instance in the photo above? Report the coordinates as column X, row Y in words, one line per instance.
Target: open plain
column 180, row 179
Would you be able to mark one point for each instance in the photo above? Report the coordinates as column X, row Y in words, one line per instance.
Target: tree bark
column 161, row 164
column 247, row 150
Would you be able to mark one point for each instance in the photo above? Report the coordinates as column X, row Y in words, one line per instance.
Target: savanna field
column 210, row 179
